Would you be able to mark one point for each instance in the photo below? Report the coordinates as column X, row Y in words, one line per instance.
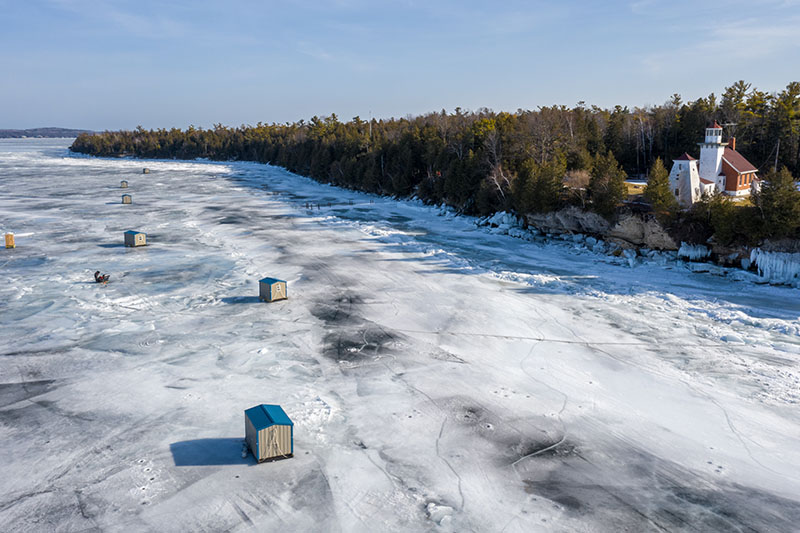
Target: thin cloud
column 117, row 19
column 733, row 43
column 345, row 60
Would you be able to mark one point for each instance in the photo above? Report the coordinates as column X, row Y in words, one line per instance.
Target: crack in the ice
column 453, row 470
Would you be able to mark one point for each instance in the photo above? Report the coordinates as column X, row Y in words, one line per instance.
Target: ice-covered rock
column 699, row 267
column 440, row 514
column 590, row 242
column 630, row 255
column 578, row 237
column 734, row 339
column 693, row 252
column 504, row 220
column 777, row 267
column 519, row 233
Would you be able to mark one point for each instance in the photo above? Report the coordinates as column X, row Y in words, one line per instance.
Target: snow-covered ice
column 440, row 376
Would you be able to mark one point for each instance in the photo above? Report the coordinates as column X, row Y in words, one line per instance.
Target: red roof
column 686, row 157
column 737, row 161
column 707, row 182
column 715, row 126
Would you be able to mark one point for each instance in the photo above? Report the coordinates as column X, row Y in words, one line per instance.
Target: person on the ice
column 100, row 278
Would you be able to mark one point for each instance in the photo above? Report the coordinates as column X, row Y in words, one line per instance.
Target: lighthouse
column 721, row 169
column 711, row 152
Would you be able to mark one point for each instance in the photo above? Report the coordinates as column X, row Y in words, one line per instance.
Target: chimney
column 732, row 143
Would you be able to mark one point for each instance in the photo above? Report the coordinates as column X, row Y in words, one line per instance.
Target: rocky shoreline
column 636, row 234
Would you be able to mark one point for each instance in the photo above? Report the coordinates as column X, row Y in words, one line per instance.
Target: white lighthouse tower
column 711, row 152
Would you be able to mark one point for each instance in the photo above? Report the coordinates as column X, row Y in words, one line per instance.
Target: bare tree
column 576, row 182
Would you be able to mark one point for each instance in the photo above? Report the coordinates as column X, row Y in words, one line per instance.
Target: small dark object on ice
column 101, row 278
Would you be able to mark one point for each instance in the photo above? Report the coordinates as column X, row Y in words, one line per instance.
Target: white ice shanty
column 135, row 238
column 272, row 289
column 269, row 432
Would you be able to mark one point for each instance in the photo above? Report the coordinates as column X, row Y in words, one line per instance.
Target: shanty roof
column 264, row 415
column 131, row 232
column 737, row 161
column 686, row 157
column 707, row 182
column 715, row 126
column 270, row 281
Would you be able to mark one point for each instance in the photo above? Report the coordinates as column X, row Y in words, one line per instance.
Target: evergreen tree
column 657, row 191
column 779, row 204
column 607, row 185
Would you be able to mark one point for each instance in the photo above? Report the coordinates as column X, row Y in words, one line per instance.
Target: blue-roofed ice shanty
column 135, row 238
column 269, row 432
column 271, row 289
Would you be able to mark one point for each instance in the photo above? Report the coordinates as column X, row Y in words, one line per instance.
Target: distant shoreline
column 41, row 133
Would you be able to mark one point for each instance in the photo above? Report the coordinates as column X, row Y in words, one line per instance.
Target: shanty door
column 277, row 442
column 277, row 291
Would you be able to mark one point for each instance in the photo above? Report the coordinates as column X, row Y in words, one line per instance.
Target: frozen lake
column 439, row 377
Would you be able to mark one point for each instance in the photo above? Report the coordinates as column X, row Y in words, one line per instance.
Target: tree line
column 480, row 162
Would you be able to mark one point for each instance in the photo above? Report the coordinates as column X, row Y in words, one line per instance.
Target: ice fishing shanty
column 271, row 289
column 269, row 432
column 10, row 240
column 126, row 198
column 123, row 184
column 135, row 238
column 145, row 171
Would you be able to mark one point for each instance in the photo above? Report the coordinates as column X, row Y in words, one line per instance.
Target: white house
column 720, row 168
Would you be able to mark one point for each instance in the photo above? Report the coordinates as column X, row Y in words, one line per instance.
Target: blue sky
column 110, row 64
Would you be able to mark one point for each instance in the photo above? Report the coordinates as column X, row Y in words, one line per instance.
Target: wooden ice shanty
column 269, row 432
column 271, row 289
column 135, row 238
column 10, row 240
column 145, row 171
column 126, row 198
column 123, row 184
